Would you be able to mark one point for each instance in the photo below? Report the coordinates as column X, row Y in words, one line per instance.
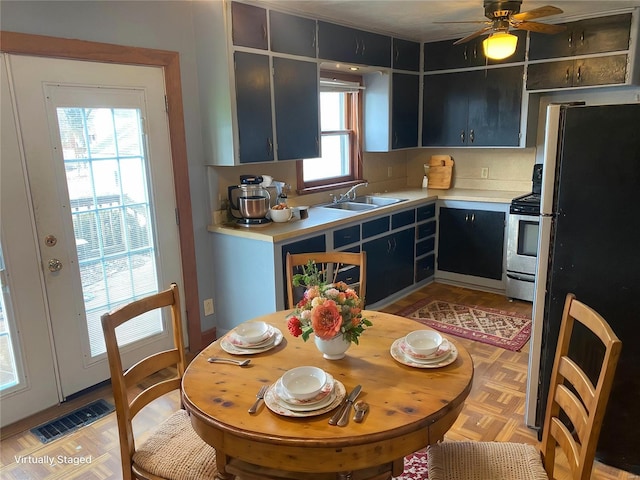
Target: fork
column 259, row 396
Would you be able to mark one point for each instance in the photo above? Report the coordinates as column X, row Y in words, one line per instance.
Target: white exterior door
column 97, row 169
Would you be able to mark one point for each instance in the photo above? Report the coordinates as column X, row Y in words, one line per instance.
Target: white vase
column 333, row 349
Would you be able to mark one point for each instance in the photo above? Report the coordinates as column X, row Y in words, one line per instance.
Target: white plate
column 229, row 347
column 443, row 350
column 233, row 339
column 401, row 357
column 326, row 391
column 272, row 403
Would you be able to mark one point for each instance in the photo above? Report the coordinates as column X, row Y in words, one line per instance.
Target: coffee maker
column 249, row 202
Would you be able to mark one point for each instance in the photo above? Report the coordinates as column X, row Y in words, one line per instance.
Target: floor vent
column 72, row 421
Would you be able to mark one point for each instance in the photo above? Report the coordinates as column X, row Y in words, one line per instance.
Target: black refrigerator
column 589, row 244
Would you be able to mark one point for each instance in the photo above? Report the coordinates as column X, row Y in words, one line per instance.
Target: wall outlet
column 389, row 172
column 208, row 307
column 484, row 172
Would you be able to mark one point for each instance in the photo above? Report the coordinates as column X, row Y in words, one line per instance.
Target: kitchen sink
column 378, row 201
column 365, row 202
column 354, row 206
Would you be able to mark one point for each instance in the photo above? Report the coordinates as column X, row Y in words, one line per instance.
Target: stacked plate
column 282, row 401
column 444, row 355
column 251, row 337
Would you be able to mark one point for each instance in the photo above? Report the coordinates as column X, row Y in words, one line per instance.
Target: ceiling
column 413, row 19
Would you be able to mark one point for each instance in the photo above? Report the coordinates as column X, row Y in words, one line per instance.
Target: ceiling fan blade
column 539, row 27
column 468, row 21
column 537, row 13
column 473, row 35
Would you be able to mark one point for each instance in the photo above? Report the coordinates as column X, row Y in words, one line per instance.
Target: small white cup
column 282, row 215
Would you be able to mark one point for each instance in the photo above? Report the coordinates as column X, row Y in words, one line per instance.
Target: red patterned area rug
column 415, row 467
column 500, row 328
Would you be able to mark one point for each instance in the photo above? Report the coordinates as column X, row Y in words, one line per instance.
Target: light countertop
column 321, row 219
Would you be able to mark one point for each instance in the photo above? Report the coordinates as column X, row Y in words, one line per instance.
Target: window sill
column 327, row 187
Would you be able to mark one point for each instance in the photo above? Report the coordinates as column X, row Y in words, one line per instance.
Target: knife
column 345, row 408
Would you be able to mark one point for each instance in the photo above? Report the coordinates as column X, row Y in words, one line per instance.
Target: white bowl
column 423, row 342
column 303, row 383
column 251, row 332
column 281, row 215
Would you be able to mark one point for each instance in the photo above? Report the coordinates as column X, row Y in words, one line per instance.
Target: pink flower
column 326, row 320
column 293, row 324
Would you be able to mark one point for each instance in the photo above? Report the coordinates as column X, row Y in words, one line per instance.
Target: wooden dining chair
column 572, row 396
column 347, row 267
column 174, row 451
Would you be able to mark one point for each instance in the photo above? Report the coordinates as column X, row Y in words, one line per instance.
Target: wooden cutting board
column 440, row 171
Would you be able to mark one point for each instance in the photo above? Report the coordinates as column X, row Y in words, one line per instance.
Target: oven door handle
column 522, row 277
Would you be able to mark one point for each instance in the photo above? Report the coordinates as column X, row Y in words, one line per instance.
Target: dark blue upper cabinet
column 249, row 26
column 295, row 89
column 405, row 110
column 253, row 100
column 292, row 34
column 445, row 55
column 345, row 44
column 406, row 55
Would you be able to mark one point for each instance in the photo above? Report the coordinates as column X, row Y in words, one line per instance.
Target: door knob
column 55, row 265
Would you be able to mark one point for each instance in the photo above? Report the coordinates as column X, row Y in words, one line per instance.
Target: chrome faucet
column 349, row 194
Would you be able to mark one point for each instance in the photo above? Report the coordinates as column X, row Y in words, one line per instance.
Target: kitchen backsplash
column 506, row 169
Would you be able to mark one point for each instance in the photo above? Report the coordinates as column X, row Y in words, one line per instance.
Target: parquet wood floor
column 493, row 411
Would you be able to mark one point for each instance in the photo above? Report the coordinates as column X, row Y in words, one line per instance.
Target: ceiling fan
column 504, row 15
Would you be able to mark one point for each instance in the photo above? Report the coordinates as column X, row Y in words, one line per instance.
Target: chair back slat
column 567, row 443
column 339, row 266
column 579, row 380
column 573, row 408
column 150, row 365
column 150, row 394
column 573, row 395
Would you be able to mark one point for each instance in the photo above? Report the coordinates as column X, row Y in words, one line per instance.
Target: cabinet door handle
column 579, row 74
column 388, row 245
column 582, row 38
column 397, row 55
column 269, row 146
column 475, row 51
column 472, row 136
column 462, row 136
column 567, row 77
column 466, row 217
column 464, row 53
column 357, row 46
column 473, row 217
column 395, row 138
column 570, row 40
column 264, row 32
column 364, row 46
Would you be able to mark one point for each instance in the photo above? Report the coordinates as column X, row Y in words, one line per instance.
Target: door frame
column 169, row 61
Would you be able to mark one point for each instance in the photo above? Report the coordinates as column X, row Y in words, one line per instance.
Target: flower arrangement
column 327, row 310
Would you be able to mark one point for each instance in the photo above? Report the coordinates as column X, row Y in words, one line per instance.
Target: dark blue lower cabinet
column 390, row 264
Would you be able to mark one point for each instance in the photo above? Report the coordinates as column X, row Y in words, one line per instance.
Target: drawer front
column 426, row 212
column 425, row 246
column 403, row 218
column 349, row 275
column 375, row 227
column 345, row 236
column 426, row 229
column 424, row 267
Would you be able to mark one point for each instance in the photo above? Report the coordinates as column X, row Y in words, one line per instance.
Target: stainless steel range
column 522, row 240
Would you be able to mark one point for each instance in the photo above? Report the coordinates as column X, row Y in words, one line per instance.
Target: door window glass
column 8, row 367
column 106, row 171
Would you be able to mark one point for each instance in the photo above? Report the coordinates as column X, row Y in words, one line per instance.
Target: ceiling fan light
column 499, row 45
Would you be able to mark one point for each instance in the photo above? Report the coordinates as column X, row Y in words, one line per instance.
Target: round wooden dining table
column 409, row 407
